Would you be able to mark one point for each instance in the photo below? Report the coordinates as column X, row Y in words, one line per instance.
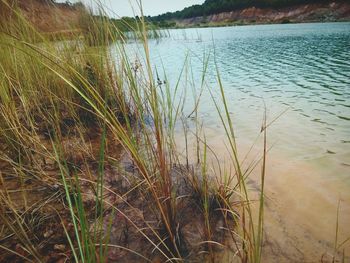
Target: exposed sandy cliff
column 46, row 15
column 335, row 11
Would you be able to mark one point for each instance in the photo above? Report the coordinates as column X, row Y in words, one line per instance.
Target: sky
column 119, row 8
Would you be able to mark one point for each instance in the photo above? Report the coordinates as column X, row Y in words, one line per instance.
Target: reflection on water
column 304, row 69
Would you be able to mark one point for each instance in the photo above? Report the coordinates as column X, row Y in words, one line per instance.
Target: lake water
column 301, row 74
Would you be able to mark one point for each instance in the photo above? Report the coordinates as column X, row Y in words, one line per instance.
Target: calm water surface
column 301, row 73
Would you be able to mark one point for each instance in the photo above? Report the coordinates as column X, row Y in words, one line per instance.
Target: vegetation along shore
column 99, row 161
column 90, row 171
column 242, row 12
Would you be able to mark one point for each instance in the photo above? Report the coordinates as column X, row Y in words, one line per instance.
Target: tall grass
column 69, row 109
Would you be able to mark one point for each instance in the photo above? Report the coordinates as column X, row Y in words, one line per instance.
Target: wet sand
column 303, row 188
column 301, row 210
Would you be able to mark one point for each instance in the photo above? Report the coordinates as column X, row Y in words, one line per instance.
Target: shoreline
column 252, row 24
column 304, row 13
column 98, row 165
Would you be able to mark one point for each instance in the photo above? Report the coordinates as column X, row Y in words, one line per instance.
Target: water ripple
column 306, row 64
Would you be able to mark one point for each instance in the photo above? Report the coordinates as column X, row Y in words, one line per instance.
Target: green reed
column 45, row 86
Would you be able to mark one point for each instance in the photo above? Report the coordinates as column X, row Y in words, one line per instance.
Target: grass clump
column 90, row 170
